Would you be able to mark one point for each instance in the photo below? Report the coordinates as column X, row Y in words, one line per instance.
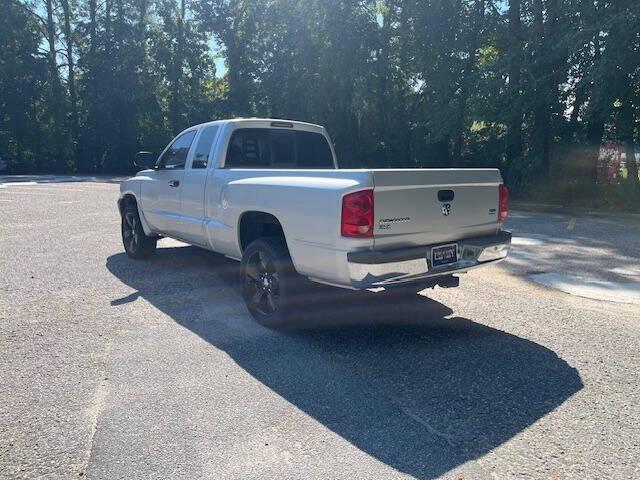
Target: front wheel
column 136, row 243
column 268, row 280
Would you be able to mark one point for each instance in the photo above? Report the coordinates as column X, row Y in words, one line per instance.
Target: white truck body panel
column 208, row 204
column 413, row 194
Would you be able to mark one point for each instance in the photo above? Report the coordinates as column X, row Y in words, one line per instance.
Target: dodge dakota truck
column 270, row 194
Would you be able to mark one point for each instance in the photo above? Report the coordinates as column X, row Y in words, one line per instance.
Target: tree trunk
column 51, row 39
column 55, row 104
column 405, row 99
column 625, row 128
column 543, row 89
column 580, row 97
column 92, row 27
column 237, row 71
column 382, row 71
column 73, row 96
column 142, row 38
column 596, row 120
column 478, row 24
column 632, row 165
column 514, row 115
column 595, row 130
column 87, row 154
column 107, row 23
column 175, row 100
column 119, row 30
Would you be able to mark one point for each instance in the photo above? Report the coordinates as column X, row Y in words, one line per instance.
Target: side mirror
column 145, row 160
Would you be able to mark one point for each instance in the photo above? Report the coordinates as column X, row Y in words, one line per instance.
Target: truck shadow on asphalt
column 396, row 376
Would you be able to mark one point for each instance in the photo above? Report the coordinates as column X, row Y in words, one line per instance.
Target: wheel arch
column 129, row 198
column 126, row 200
column 255, row 224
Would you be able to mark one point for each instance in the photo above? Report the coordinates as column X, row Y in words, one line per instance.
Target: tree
column 23, row 76
column 533, row 87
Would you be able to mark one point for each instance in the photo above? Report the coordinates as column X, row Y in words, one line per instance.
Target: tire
column 136, row 243
column 269, row 281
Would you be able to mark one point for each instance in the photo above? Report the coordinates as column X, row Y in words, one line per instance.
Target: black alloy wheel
column 136, row 243
column 262, row 283
column 268, row 281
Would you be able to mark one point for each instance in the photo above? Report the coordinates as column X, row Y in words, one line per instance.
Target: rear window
column 276, row 148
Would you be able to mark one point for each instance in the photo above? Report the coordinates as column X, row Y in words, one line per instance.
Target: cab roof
column 254, row 122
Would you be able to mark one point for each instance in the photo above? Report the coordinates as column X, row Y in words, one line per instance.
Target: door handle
column 174, row 183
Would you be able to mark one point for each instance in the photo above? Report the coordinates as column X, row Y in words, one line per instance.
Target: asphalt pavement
column 118, row 369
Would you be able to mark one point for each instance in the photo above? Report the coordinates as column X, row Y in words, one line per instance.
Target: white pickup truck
column 270, row 194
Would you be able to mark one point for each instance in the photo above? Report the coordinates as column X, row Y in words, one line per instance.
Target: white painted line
column 618, row 292
column 31, row 192
column 629, row 272
column 572, row 224
column 520, row 255
column 19, row 184
column 48, row 187
column 540, row 239
column 526, row 241
column 567, row 241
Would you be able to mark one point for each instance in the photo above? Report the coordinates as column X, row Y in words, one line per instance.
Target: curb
column 561, row 209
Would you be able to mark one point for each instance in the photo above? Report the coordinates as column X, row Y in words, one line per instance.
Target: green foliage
column 519, row 85
column 22, row 80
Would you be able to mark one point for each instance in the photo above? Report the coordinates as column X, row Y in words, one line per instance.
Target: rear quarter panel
column 307, row 203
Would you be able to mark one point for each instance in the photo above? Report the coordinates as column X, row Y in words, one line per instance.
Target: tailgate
column 427, row 206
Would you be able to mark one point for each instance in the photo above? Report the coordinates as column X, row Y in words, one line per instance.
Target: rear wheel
column 136, row 243
column 268, row 281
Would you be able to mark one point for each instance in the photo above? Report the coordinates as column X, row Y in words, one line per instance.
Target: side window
column 203, row 147
column 176, row 155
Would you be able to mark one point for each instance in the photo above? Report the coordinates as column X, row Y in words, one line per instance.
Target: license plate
column 444, row 255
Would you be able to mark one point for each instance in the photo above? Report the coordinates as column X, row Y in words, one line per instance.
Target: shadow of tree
column 391, row 374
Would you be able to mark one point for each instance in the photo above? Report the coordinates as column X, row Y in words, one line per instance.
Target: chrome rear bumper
column 374, row 268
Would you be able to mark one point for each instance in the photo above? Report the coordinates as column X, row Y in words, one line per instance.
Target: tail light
column 503, row 203
column 357, row 214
